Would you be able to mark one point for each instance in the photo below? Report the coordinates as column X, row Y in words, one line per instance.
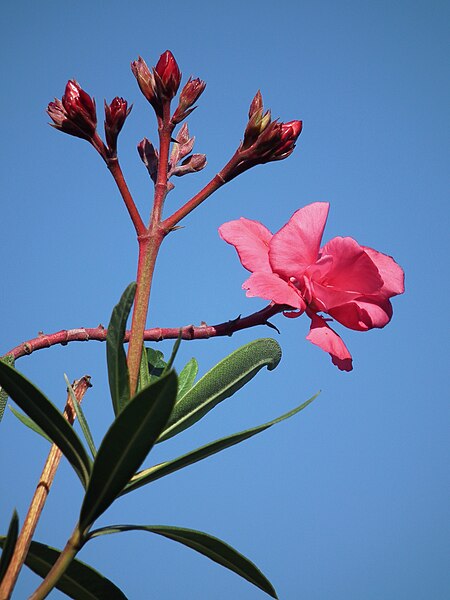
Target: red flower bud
column 169, row 75
column 264, row 139
column 188, row 96
column 288, row 136
column 115, row 115
column 147, row 84
column 75, row 113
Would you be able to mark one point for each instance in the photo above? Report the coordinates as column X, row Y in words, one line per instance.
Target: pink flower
column 349, row 282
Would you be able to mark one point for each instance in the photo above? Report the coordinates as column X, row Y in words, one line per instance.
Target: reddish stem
column 149, row 244
column 216, row 182
column 148, row 251
column 157, row 334
column 116, row 171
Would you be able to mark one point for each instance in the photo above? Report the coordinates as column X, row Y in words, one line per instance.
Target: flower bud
column 75, row 113
column 192, row 164
column 289, row 133
column 183, row 135
column 183, row 145
column 169, row 76
column 257, row 104
column 150, row 158
column 255, row 127
column 258, row 121
column 115, row 115
column 147, row 84
column 269, row 140
column 188, row 96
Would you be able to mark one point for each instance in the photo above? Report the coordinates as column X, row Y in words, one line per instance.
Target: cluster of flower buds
column 179, row 163
column 76, row 115
column 266, row 140
column 115, row 115
column 161, row 83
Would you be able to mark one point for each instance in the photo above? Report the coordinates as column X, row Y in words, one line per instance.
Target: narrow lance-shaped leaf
column 221, row 382
column 81, row 418
column 8, row 545
column 144, row 373
column 205, row 544
column 115, row 354
column 80, row 581
column 33, row 402
column 166, row 468
column 126, row 445
column 9, row 360
column 29, row 423
column 186, row 378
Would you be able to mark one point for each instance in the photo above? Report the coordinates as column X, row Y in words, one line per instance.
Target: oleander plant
column 340, row 281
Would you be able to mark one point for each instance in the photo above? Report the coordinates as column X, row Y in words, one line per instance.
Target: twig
column 114, row 166
column 80, row 387
column 157, row 334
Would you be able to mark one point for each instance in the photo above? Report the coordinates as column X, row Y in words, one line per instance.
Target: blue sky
column 350, row 498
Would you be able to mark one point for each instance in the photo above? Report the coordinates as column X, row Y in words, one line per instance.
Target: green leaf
column 80, row 581
column 33, row 402
column 186, row 378
column 115, row 354
column 205, row 544
column 166, row 468
column 29, row 423
column 156, row 363
column 144, row 374
column 81, row 418
column 9, row 360
column 9, row 544
column 126, row 445
column 221, row 382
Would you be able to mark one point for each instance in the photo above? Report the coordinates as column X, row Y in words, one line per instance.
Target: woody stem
column 149, row 244
column 80, row 387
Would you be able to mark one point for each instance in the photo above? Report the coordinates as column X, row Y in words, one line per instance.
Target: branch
column 116, row 172
column 157, row 334
column 80, row 387
column 216, row 182
column 149, row 244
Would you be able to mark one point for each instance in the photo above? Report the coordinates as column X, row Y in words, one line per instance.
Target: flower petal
column 297, row 244
column 251, row 240
column 362, row 314
column 351, row 270
column 324, row 298
column 272, row 287
column 391, row 273
column 323, row 336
